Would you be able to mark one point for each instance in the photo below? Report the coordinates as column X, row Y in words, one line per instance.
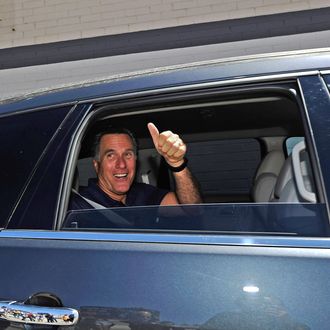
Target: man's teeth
column 121, row 175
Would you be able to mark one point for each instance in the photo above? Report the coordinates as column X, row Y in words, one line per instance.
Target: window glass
column 24, row 137
column 289, row 219
column 38, row 206
column 291, row 142
column 327, row 80
column 225, row 169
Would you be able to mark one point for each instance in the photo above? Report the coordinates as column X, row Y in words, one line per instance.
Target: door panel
column 136, row 285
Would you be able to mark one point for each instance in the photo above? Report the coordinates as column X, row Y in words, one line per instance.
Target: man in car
column 115, row 156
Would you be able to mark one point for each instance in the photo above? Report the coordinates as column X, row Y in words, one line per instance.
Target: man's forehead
column 116, row 139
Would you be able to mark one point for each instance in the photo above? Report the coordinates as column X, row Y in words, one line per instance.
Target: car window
column 248, row 181
column 38, row 205
column 26, row 135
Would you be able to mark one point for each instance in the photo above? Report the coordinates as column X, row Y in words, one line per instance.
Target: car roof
column 173, row 76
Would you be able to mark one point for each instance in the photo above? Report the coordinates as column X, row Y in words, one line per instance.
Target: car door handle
column 14, row 311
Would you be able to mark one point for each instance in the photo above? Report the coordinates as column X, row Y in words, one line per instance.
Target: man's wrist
column 178, row 168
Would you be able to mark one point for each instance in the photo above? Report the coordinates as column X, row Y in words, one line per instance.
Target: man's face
column 116, row 165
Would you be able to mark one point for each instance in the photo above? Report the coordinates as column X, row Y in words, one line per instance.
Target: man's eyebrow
column 114, row 150
column 109, row 150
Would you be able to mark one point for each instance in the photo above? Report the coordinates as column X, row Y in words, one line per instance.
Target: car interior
column 236, row 146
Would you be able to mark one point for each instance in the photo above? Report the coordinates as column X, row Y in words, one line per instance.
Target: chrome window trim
column 68, row 174
column 169, row 238
column 325, row 72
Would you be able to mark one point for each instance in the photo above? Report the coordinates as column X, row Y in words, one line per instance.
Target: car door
column 161, row 280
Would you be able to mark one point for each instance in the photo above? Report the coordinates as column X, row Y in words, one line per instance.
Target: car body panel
column 317, row 103
column 199, row 286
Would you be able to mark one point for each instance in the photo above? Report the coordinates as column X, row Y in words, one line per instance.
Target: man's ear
column 96, row 166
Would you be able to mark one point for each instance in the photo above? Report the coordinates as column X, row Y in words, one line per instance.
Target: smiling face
column 116, row 165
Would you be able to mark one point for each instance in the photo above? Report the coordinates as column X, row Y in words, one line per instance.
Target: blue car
column 253, row 254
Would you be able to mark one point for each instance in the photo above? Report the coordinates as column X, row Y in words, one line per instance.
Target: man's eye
column 110, row 155
column 129, row 154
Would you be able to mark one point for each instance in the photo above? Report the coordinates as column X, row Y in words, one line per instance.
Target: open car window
column 237, row 151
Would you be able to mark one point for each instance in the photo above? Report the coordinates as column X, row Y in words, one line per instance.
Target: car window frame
column 101, row 105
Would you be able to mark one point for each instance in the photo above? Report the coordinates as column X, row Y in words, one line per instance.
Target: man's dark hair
column 111, row 130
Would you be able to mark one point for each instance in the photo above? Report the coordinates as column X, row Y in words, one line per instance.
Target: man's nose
column 121, row 162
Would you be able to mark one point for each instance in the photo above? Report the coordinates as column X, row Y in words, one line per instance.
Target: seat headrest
column 86, row 171
column 284, row 177
column 264, row 187
column 266, row 177
column 272, row 163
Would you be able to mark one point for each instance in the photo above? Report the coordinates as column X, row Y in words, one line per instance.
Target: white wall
column 28, row 22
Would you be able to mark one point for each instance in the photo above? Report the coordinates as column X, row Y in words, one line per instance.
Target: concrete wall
column 29, row 22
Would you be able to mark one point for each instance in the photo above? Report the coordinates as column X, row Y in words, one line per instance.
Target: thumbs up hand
column 169, row 145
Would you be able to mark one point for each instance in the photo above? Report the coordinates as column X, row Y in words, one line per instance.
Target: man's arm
column 172, row 148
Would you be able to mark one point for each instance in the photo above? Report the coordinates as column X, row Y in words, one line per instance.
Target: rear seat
column 267, row 176
column 295, row 182
column 295, row 191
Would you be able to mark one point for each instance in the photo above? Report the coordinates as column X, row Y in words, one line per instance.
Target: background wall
column 54, row 42
column 26, row 22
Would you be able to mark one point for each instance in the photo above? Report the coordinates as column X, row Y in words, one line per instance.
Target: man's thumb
column 153, row 130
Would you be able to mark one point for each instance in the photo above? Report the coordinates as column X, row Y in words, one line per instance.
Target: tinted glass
column 23, row 139
column 224, row 168
column 37, row 207
column 327, row 80
column 288, row 219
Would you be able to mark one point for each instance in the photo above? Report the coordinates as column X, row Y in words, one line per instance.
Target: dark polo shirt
column 140, row 194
